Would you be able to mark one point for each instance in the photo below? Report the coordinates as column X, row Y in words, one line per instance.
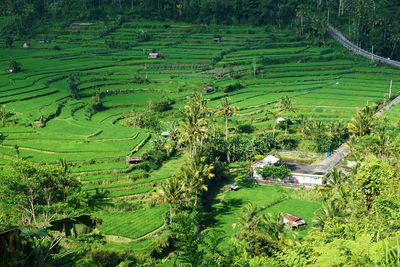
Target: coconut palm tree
column 4, row 114
column 275, row 227
column 285, row 106
column 328, row 210
column 302, row 124
column 363, row 122
column 226, row 110
column 194, row 126
column 171, row 191
column 273, row 114
column 250, row 220
column 194, row 174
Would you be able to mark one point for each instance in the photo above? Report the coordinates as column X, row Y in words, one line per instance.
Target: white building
column 307, row 174
column 256, row 167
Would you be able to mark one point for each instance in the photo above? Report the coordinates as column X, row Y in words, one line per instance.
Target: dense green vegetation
column 87, row 91
column 371, row 24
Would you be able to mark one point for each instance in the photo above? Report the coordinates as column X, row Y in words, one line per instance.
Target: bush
column 163, row 105
column 142, row 36
column 107, row 257
column 287, row 142
column 139, row 80
column 233, row 87
column 271, row 171
column 95, row 105
column 14, row 65
column 245, row 128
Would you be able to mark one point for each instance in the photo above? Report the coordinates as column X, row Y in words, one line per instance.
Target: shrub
column 233, row 87
column 271, row 171
column 142, row 36
column 245, row 128
column 73, row 83
column 14, row 65
column 95, row 104
column 139, row 80
column 108, row 257
column 163, row 105
column 287, row 142
column 9, row 41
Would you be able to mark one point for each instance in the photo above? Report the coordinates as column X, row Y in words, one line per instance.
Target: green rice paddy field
column 327, row 84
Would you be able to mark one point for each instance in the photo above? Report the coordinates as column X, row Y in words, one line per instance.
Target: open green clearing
column 324, row 83
column 227, row 206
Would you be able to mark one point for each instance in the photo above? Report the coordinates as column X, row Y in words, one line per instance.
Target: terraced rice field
column 327, row 84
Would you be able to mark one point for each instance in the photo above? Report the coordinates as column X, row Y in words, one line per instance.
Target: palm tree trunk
column 287, row 116
column 273, row 131
column 226, row 128
column 170, row 213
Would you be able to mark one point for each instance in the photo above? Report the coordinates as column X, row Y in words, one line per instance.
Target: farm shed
column 133, row 160
column 207, row 89
column 165, row 134
column 280, row 119
column 232, row 187
column 10, row 69
column 269, row 160
column 27, row 45
column 44, row 41
column 292, row 221
column 154, row 55
column 217, row 39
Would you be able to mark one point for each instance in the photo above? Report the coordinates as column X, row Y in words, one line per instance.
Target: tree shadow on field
column 224, row 207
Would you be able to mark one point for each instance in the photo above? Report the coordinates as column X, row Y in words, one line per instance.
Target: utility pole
column 372, row 55
column 390, row 89
column 328, row 15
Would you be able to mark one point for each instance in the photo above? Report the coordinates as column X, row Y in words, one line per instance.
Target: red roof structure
column 293, row 221
column 207, row 89
column 133, row 160
column 154, row 55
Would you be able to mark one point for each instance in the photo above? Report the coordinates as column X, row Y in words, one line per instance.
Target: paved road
column 388, row 106
column 337, row 156
column 338, row 36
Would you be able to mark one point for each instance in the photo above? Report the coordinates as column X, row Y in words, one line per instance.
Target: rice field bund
column 137, row 64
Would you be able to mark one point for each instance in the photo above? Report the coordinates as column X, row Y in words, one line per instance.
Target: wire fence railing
column 338, row 36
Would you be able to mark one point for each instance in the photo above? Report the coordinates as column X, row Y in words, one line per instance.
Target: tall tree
column 194, row 126
column 73, row 83
column 272, row 114
column 195, row 174
column 171, row 191
column 363, row 122
column 226, row 110
column 4, row 115
column 39, row 192
column 285, row 106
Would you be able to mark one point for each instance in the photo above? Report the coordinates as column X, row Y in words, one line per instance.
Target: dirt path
column 30, row 149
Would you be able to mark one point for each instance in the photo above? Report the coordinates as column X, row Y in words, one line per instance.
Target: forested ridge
column 368, row 23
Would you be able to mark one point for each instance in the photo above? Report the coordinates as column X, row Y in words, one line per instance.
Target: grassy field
column 227, row 206
column 47, row 125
